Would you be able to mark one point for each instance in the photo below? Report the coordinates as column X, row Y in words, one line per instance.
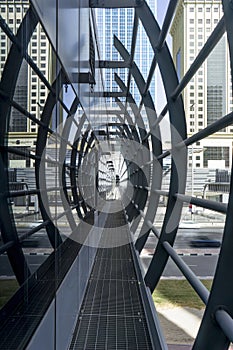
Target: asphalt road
column 202, row 265
column 184, row 237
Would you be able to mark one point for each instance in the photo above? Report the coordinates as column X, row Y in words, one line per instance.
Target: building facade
column 30, row 92
column 119, row 22
column 209, row 94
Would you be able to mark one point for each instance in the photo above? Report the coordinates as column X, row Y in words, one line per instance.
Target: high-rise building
column 208, row 96
column 118, row 22
column 30, row 92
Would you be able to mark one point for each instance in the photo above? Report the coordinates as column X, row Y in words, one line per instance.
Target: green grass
column 169, row 293
column 174, row 293
column 7, row 289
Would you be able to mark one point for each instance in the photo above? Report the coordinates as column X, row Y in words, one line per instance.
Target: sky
column 161, row 100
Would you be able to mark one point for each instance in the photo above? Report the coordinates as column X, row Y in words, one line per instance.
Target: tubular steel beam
column 140, row 196
column 156, row 145
column 178, row 133
column 203, row 54
column 8, row 84
column 73, row 160
column 204, row 203
column 46, row 116
column 115, row 3
column 201, row 290
column 62, row 158
column 221, row 291
column 209, row 130
column 225, row 321
column 131, row 58
column 113, row 64
column 166, row 24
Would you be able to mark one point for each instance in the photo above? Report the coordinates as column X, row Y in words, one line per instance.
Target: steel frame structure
column 143, row 204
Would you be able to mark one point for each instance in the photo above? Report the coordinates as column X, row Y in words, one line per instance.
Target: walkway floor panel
column 112, row 315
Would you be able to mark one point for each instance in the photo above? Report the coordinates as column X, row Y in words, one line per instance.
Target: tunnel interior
column 86, row 168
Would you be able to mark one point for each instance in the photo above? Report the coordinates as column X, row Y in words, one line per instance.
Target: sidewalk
column 180, row 326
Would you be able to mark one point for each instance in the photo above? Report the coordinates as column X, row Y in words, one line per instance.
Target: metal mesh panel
column 112, row 315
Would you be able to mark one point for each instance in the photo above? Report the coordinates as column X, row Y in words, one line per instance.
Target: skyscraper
column 30, row 92
column 118, row 22
column 209, row 94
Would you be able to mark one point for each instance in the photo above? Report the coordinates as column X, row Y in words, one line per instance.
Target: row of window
column 13, row 9
column 206, row 9
column 201, row 21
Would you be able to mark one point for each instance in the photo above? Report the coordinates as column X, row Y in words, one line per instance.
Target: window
column 216, row 153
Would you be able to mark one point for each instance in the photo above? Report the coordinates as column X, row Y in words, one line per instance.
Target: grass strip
column 7, row 288
column 174, row 293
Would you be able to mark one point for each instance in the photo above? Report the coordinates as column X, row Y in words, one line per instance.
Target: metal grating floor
column 112, row 315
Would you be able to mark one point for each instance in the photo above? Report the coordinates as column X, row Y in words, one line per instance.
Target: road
column 202, row 265
column 202, row 261
column 184, row 236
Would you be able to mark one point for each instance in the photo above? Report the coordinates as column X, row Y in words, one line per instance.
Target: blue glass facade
column 119, row 22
